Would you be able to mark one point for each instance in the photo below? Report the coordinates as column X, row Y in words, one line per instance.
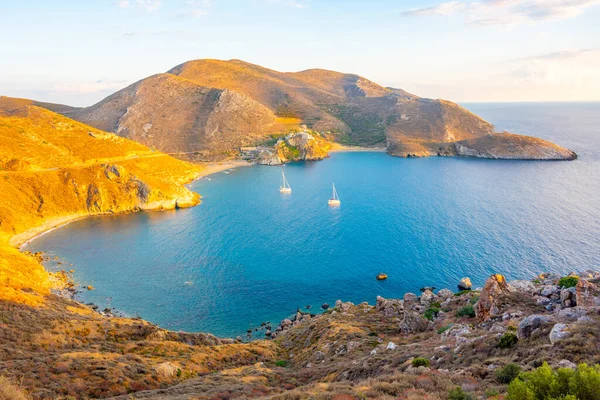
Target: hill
column 54, row 169
column 207, row 109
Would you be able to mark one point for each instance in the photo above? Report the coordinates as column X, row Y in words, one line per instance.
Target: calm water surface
column 249, row 254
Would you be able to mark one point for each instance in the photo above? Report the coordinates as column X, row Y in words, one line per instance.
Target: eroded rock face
column 490, row 298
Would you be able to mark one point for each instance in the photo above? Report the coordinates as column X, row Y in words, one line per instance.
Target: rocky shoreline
column 566, row 301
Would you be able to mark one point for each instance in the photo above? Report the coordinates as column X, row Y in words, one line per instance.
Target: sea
column 249, row 255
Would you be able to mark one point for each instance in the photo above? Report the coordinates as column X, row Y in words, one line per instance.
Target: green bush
column 458, row 394
column 544, row 383
column 508, row 340
column 466, row 311
column 444, row 329
column 568, row 281
column 507, row 373
column 420, row 362
column 281, row 363
column 473, row 300
column 432, row 312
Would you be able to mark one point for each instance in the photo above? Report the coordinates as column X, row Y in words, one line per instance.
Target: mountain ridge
column 179, row 111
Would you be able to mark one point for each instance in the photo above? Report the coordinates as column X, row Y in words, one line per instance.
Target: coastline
column 22, row 239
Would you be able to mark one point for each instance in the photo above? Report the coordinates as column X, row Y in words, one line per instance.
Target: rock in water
column 465, row 284
column 490, row 298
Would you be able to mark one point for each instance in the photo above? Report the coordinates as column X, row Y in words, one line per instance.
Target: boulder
column 389, row 308
column 530, row 324
column 559, row 332
column 526, row 287
column 588, row 294
column 490, row 299
column 414, row 322
column 427, row 297
column 445, row 294
column 465, row 284
column 566, row 364
column 457, row 330
column 549, row 290
column 391, row 346
column 410, row 298
column 568, row 297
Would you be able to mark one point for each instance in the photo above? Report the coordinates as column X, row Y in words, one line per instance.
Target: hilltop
column 208, row 109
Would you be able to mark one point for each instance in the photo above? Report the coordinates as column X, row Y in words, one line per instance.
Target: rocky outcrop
column 297, row 146
column 491, row 297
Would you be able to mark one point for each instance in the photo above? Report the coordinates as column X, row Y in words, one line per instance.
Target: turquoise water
column 249, row 254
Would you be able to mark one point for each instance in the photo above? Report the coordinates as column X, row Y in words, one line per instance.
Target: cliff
column 208, row 109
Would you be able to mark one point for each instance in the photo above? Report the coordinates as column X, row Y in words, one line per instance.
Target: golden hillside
column 207, row 109
column 53, row 169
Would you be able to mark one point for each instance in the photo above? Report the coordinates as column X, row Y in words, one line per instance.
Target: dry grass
column 9, row 391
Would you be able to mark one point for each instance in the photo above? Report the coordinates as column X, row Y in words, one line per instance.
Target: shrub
column 420, row 362
column 473, row 300
column 466, row 311
column 444, row 329
column 281, row 363
column 507, row 373
column 458, row 394
column 544, row 383
column 431, row 312
column 508, row 340
column 568, row 281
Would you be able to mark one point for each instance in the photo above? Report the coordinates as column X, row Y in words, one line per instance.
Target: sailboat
column 285, row 188
column 334, row 200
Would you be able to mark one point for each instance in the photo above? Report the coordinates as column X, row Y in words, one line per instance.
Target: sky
column 77, row 52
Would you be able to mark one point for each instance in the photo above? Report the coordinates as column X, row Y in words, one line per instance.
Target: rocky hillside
column 207, row 109
column 53, row 169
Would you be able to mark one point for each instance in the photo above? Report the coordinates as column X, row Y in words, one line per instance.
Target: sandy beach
column 342, row 148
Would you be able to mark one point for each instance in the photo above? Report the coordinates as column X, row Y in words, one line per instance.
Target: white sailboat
column 285, row 188
column 334, row 200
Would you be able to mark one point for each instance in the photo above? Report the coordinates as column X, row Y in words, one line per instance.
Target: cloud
column 194, row 9
column 146, row 5
column 506, row 12
column 289, row 3
column 569, row 67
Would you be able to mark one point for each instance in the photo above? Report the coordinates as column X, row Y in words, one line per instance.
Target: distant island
column 206, row 110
